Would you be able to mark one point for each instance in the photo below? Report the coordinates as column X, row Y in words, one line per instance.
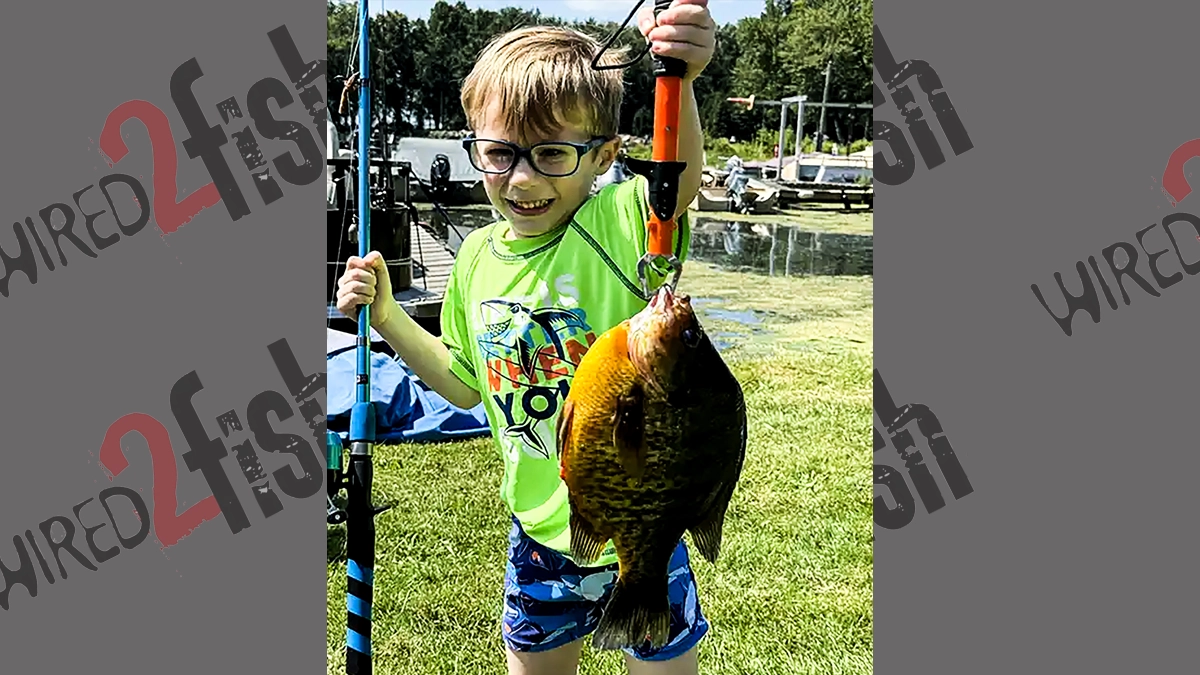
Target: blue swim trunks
column 550, row 601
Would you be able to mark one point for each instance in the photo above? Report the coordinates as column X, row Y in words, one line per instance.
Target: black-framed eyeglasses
column 556, row 159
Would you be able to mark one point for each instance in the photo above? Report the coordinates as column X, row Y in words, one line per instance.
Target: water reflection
column 775, row 250
column 780, row 250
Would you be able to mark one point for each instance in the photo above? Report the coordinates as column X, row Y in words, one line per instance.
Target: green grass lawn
column 792, row 590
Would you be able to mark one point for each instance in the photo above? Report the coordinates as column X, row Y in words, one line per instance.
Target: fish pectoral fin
column 629, row 432
column 562, row 435
column 706, row 533
column 586, row 542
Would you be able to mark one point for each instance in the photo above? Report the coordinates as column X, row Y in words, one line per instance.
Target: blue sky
column 723, row 11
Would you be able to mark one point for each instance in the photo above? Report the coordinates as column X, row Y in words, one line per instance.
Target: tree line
column 418, row 65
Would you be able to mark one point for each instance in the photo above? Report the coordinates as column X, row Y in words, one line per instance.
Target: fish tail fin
column 639, row 610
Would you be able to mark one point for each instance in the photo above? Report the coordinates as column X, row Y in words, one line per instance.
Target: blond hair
column 542, row 76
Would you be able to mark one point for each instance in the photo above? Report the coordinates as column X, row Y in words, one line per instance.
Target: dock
column 432, row 261
column 420, row 263
column 793, row 192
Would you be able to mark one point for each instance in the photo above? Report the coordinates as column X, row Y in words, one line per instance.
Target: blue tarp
column 406, row 409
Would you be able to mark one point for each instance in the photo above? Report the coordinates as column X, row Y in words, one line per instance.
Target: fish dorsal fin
column 629, row 431
column 706, row 533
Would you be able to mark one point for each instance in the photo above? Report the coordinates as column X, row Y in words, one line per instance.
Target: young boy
column 529, row 294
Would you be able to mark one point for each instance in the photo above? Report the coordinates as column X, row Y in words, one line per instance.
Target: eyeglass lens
column 553, row 159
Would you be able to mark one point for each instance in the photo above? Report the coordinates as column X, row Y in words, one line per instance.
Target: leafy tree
column 418, row 66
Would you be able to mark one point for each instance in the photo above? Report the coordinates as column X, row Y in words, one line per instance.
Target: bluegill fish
column 652, row 438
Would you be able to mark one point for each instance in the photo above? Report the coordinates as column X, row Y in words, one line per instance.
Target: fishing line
column 613, row 38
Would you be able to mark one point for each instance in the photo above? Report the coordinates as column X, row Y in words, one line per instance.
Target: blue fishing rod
column 360, row 516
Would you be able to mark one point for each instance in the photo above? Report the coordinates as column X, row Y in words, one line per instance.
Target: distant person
column 559, row 261
column 735, row 185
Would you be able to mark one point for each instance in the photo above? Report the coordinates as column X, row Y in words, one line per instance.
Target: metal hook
column 673, row 265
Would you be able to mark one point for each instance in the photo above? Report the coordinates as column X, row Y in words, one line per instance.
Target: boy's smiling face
column 534, row 203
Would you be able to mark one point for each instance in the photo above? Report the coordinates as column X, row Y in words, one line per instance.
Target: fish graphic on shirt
column 519, row 335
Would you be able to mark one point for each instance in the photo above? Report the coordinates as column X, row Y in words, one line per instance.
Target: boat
column 819, row 177
column 758, row 197
column 823, row 168
column 460, row 182
column 734, row 189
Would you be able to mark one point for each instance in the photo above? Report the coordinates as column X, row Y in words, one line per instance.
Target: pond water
column 780, row 250
column 745, row 317
column 771, row 249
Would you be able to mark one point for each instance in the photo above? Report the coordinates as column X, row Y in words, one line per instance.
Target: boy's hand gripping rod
column 663, row 169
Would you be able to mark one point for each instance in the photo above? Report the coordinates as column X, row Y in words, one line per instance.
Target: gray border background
column 103, row 337
column 1073, row 552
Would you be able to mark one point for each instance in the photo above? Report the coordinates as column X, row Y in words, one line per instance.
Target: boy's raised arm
column 685, row 31
column 691, row 148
